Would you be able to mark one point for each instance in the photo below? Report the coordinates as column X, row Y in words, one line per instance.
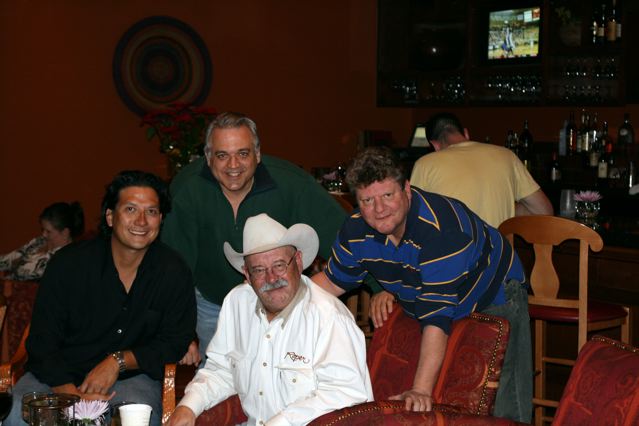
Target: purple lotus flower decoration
column 90, row 412
column 587, row 196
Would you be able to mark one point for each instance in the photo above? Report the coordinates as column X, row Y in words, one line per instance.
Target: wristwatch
column 119, row 357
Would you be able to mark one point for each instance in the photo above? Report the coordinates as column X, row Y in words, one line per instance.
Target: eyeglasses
column 278, row 269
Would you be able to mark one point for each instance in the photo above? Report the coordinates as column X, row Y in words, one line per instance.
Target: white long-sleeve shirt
column 309, row 360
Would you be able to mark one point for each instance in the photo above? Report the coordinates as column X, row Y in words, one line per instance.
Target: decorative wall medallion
column 160, row 60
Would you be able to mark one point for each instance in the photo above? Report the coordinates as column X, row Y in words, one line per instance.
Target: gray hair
column 231, row 120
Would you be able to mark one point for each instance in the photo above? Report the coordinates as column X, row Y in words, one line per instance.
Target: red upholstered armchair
column 603, row 388
column 467, row 383
column 392, row 413
column 470, row 373
column 20, row 297
column 465, row 391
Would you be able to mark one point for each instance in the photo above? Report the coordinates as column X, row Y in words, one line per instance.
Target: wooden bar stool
column 544, row 233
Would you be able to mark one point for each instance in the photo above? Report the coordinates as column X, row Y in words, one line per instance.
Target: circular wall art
column 160, row 60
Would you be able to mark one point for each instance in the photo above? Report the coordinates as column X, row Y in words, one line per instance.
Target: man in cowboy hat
column 290, row 350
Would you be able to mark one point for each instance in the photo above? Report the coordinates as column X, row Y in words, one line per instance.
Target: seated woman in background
column 61, row 223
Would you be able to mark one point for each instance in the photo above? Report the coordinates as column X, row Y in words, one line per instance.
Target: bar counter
column 619, row 231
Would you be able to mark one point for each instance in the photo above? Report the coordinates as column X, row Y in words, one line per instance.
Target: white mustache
column 281, row 282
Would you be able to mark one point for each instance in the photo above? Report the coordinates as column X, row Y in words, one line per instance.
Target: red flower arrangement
column 180, row 131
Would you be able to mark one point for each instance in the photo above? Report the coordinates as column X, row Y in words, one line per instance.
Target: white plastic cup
column 135, row 414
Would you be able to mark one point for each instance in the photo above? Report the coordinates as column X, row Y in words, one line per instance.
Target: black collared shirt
column 82, row 313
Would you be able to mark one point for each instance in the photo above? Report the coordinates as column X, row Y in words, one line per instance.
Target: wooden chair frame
column 545, row 233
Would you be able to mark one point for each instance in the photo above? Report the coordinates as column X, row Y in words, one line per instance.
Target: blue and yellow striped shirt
column 448, row 264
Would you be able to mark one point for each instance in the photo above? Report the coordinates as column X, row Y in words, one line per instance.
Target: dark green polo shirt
column 202, row 218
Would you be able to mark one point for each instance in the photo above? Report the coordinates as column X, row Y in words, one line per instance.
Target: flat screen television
column 513, row 34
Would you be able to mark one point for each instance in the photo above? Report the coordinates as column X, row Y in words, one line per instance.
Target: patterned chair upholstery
column 228, row 412
column 603, row 387
column 470, row 372
column 20, row 297
column 467, row 382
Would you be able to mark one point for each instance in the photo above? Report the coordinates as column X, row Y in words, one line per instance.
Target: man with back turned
column 489, row 179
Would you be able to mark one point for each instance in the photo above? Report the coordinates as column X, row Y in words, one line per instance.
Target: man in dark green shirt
column 213, row 197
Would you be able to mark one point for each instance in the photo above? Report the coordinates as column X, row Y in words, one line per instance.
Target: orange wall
column 304, row 70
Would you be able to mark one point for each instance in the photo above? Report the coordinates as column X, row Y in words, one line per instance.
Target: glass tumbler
column 53, row 409
column 26, row 399
column 567, row 204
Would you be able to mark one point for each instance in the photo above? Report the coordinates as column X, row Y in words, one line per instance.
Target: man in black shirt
column 112, row 311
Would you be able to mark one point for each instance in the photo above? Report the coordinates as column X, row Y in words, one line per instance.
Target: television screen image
column 514, row 33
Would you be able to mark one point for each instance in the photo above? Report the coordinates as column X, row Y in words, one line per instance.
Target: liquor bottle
column 510, row 141
column 597, row 147
column 605, row 159
column 602, row 170
column 594, row 28
column 611, row 24
column 525, row 145
column 606, row 140
column 618, row 20
column 594, row 127
column 587, row 141
column 594, row 154
column 555, row 169
column 562, row 139
column 613, row 170
column 571, row 134
column 601, row 25
column 626, row 134
column 580, row 130
column 582, row 133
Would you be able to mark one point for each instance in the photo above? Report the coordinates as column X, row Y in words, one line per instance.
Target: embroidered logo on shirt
column 295, row 357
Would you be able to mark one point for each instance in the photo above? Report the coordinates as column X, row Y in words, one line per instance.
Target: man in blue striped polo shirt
column 442, row 262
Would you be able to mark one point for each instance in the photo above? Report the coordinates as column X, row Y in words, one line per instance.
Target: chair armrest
column 5, row 375
column 168, row 392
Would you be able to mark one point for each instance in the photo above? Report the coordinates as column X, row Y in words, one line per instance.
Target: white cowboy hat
column 262, row 233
